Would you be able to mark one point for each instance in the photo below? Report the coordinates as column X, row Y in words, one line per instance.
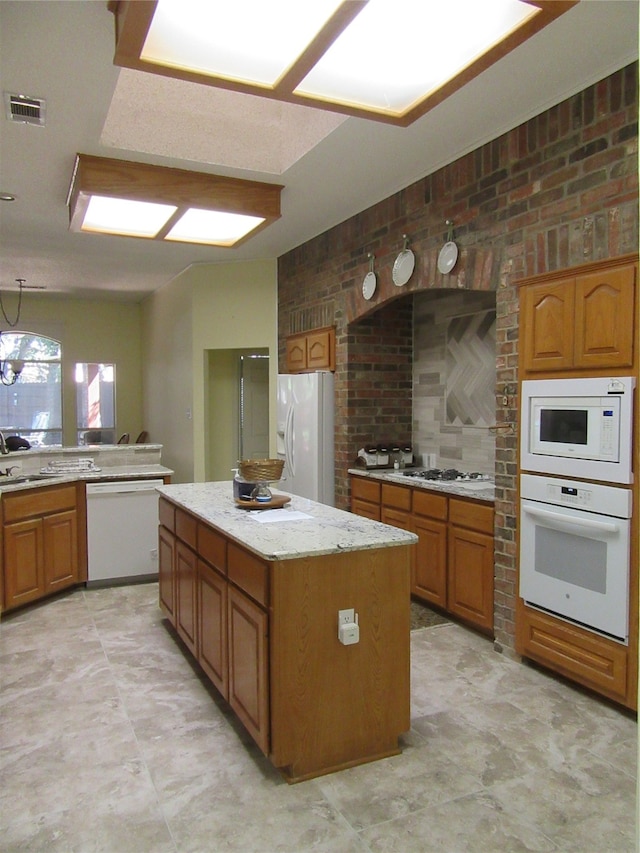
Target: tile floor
column 111, row 742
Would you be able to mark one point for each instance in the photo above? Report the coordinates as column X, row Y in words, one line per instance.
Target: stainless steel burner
column 449, row 474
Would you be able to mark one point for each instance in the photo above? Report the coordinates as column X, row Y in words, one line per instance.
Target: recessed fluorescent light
column 109, row 196
column 367, row 66
column 125, row 217
column 390, row 60
column 213, row 227
column 255, row 42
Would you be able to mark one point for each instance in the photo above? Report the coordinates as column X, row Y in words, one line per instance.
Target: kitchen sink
column 20, row 480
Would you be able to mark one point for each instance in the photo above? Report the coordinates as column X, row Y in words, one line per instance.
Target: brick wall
column 555, row 192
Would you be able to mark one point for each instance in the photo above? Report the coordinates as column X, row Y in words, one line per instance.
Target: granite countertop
column 302, row 528
column 478, row 490
column 114, row 472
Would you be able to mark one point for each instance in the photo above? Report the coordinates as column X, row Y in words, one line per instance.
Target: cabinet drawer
column 186, row 528
column 366, row 509
column 366, row 490
column 471, row 514
column 249, row 573
column 593, row 661
column 396, row 496
column 40, row 501
column 167, row 514
column 212, row 547
column 429, row 504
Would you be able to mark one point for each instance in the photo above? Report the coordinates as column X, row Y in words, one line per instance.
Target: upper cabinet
column 579, row 322
column 314, row 350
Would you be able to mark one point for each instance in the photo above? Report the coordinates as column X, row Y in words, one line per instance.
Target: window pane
column 32, row 407
column 95, row 403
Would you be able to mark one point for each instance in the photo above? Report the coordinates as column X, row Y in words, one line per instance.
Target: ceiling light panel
column 395, row 53
column 108, row 196
column 213, row 227
column 389, row 60
column 255, row 42
column 122, row 216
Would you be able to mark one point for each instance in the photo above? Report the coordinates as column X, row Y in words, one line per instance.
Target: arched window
column 32, row 406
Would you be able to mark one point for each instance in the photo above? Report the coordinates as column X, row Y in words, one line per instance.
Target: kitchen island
column 255, row 595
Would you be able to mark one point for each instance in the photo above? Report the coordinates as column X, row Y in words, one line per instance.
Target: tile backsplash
column 454, row 379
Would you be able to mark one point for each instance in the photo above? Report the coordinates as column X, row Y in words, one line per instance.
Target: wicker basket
column 257, row 470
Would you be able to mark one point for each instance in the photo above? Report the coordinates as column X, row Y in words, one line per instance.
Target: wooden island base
column 265, row 631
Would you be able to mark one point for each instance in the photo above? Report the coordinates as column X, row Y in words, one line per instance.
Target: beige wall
column 92, row 331
column 189, row 327
column 168, row 374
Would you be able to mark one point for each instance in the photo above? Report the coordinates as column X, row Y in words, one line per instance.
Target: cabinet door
column 365, row 497
column 429, row 570
column 396, row 518
column 321, row 350
column 248, row 665
column 186, row 591
column 60, row 542
column 470, row 590
column 547, row 323
column 365, row 509
column 23, row 562
column 212, row 626
column 296, row 353
column 604, row 304
column 166, row 573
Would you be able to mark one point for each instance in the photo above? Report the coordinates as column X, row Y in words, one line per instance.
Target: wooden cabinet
column 216, row 595
column 186, row 571
column 266, row 636
column 452, row 566
column 212, row 626
column 315, row 350
column 248, row 665
column 604, row 318
column 186, row 574
column 579, row 322
column 396, row 506
column 166, row 559
column 596, row 662
column 470, row 562
column 40, row 543
column 365, row 498
column 429, row 570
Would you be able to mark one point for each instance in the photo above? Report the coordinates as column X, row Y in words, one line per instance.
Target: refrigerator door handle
column 288, row 442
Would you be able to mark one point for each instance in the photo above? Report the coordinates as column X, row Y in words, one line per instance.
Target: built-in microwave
column 578, row 427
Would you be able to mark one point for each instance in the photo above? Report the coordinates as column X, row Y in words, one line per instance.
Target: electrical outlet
column 345, row 617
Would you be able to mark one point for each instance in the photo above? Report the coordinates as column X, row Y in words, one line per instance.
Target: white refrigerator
column 305, row 420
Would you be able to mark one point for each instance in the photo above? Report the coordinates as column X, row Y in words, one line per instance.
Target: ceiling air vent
column 25, row 110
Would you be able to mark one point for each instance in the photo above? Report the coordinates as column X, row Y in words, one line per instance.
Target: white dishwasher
column 122, row 531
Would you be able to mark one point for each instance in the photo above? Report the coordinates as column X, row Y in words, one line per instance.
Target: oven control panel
column 589, row 497
column 569, row 495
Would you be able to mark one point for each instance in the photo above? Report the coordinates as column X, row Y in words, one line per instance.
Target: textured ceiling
column 332, row 168
column 159, row 115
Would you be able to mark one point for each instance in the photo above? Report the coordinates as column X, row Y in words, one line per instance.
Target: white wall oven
column 578, row 427
column 574, row 552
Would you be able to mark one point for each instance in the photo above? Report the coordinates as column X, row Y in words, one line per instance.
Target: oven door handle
column 558, row 520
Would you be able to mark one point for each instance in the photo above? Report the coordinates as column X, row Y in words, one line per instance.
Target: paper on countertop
column 279, row 515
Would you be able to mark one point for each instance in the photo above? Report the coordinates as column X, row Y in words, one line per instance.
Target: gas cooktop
column 449, row 474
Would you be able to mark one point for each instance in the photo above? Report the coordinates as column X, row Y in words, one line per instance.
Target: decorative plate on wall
column 447, row 257
column 449, row 252
column 404, row 265
column 369, row 283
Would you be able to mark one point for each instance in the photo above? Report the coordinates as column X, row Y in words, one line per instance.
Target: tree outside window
column 32, row 407
column 95, row 403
